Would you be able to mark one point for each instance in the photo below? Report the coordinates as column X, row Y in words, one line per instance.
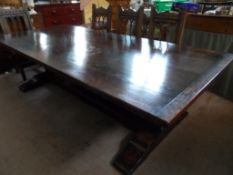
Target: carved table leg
column 138, row 147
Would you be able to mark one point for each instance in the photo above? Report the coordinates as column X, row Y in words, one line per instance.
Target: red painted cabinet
column 58, row 14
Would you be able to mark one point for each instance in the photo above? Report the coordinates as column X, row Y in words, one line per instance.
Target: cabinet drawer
column 51, row 21
column 58, row 14
column 53, row 11
column 72, row 19
column 71, row 10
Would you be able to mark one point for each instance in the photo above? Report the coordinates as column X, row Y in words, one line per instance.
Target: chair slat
column 20, row 23
column 132, row 19
column 15, row 21
column 101, row 18
column 164, row 22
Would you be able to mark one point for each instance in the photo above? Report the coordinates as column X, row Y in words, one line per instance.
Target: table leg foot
column 37, row 81
column 138, row 146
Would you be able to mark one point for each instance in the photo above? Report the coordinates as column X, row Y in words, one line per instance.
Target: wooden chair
column 206, row 23
column 16, row 21
column 164, row 22
column 221, row 26
column 131, row 19
column 101, row 18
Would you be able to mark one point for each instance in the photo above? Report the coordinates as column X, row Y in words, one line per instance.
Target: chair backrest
column 164, row 22
column 129, row 21
column 101, row 18
column 207, row 23
column 210, row 23
column 14, row 21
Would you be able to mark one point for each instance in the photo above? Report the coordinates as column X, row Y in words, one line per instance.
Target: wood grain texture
column 152, row 79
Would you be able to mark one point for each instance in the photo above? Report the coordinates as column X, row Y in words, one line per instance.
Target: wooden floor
column 48, row 131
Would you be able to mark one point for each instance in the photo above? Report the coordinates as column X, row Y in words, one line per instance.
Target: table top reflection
column 151, row 78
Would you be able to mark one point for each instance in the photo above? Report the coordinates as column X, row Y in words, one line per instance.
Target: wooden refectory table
column 152, row 80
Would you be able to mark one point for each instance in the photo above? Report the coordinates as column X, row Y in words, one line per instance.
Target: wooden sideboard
column 60, row 13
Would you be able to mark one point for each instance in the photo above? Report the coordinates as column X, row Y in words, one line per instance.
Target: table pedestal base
column 138, row 146
column 35, row 82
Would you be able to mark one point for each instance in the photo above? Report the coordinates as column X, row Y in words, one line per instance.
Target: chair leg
column 22, row 72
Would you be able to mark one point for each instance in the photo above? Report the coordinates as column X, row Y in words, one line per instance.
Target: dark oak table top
column 152, row 79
